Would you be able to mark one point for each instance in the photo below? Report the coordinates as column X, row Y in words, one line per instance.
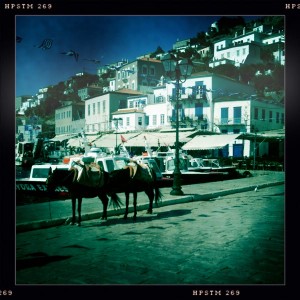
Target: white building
column 98, row 110
column 275, row 42
column 69, row 118
column 246, row 48
column 141, row 74
column 239, row 114
column 128, row 119
column 197, row 94
column 196, row 104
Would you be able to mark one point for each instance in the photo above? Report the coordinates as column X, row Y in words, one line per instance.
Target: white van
column 41, row 172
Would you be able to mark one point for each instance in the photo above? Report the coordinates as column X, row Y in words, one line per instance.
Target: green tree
column 262, row 83
column 278, row 78
column 247, row 72
column 227, row 70
column 158, row 50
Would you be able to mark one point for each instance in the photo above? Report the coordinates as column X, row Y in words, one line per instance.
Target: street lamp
column 177, row 69
column 116, row 123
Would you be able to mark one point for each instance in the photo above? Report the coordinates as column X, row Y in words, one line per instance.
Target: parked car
column 41, row 172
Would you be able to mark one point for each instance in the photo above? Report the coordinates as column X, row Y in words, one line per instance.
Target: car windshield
column 40, row 173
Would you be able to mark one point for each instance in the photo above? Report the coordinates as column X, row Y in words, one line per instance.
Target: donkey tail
column 115, row 201
column 158, row 195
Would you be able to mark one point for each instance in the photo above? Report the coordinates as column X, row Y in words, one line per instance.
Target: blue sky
column 105, row 38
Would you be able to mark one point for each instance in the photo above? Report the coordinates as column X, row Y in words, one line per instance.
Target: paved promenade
column 54, row 213
column 222, row 233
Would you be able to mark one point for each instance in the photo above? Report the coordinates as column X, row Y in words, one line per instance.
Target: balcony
column 229, row 122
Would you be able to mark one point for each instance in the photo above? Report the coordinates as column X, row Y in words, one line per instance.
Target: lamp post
column 116, row 123
column 177, row 69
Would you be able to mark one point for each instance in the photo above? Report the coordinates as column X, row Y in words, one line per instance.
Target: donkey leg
column 104, row 200
column 150, row 194
column 73, row 219
column 127, row 204
column 134, row 205
column 79, row 211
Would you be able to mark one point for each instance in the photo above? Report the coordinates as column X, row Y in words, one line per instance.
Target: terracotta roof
column 150, row 59
column 128, row 91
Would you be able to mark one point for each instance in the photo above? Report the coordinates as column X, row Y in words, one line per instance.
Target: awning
column 109, row 140
column 63, row 137
column 79, row 142
column 75, row 142
column 154, row 139
column 266, row 136
column 207, row 142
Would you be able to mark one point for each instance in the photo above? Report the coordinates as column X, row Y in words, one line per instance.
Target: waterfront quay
column 233, row 235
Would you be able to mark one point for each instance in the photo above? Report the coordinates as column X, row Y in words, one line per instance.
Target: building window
column 237, row 52
column 263, row 115
column 224, row 115
column 140, row 121
column 98, row 107
column 202, row 91
column 144, row 70
column 159, row 99
column 152, row 71
column 162, row 119
column 127, row 121
column 146, row 120
column 255, row 113
column 103, row 107
column 237, row 115
column 199, row 111
column 94, row 108
column 154, row 120
column 89, row 109
column 277, row 117
column 270, row 116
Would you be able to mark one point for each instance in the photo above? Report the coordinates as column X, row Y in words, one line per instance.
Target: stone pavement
column 53, row 213
column 232, row 239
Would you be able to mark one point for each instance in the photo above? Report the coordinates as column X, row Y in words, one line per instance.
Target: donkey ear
column 50, row 171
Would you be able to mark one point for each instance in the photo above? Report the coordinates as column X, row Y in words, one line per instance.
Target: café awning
column 63, row 137
column 109, row 140
column 154, row 139
column 264, row 136
column 207, row 142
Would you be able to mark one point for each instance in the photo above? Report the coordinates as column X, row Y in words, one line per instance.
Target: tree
column 227, row 70
column 266, row 55
column 278, row 78
column 262, row 83
column 227, row 24
column 247, row 72
column 201, row 39
column 158, row 50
